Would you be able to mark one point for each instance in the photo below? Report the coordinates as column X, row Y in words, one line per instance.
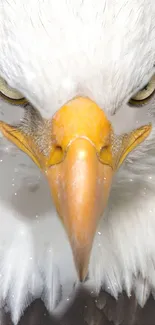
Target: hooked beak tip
column 81, row 259
column 82, row 275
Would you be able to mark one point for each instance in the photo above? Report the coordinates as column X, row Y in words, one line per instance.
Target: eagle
column 77, row 150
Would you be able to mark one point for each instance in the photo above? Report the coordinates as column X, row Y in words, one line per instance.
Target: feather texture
column 99, row 49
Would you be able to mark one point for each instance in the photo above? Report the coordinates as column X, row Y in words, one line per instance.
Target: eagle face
column 69, row 72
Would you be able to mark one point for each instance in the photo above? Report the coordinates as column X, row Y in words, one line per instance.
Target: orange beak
column 84, row 154
column 80, row 187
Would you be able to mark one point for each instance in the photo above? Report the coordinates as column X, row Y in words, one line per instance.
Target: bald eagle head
column 84, row 78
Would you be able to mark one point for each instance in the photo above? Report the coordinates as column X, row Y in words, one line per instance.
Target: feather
column 104, row 52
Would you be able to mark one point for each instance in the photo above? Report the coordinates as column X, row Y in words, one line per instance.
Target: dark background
column 89, row 310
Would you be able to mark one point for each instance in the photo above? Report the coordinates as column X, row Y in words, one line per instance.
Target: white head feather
column 104, row 50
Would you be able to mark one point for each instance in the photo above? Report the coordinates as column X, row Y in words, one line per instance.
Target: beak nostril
column 59, row 148
column 56, row 156
column 105, row 148
column 105, row 155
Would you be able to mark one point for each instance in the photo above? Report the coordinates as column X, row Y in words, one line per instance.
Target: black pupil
column 145, row 88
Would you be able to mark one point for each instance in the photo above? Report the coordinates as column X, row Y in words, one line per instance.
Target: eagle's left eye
column 145, row 94
column 11, row 95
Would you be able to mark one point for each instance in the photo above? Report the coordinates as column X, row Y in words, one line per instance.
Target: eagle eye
column 142, row 97
column 11, row 95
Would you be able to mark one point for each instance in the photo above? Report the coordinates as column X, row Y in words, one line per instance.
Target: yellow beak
column 83, row 156
column 80, row 186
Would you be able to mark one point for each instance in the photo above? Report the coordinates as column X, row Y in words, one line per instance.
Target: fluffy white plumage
column 104, row 50
column 54, row 50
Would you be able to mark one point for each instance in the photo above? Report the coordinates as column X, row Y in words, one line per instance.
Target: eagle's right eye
column 142, row 97
column 11, row 95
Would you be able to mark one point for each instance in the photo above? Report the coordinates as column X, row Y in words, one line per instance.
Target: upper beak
column 80, row 186
column 79, row 168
